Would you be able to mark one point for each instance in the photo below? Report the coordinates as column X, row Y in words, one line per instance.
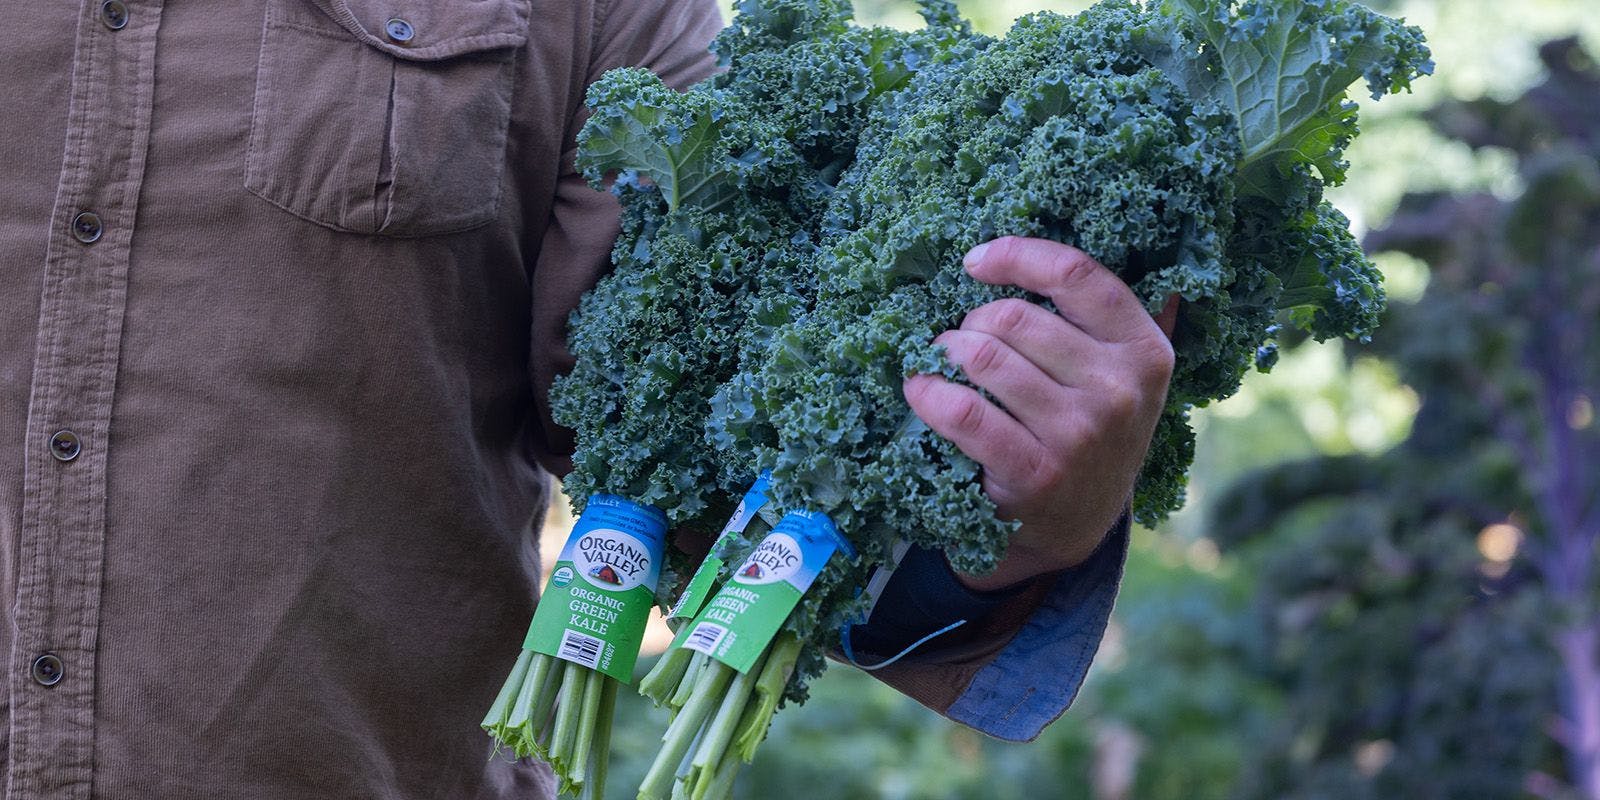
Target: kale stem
column 568, row 709
column 720, row 786
column 782, row 655
column 536, row 733
column 683, row 731
column 593, row 687
column 680, row 784
column 518, row 731
column 691, row 676
column 596, row 786
column 494, row 723
column 721, row 729
column 667, row 675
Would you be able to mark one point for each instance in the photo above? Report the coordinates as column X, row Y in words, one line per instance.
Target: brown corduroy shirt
column 280, row 283
column 282, row 287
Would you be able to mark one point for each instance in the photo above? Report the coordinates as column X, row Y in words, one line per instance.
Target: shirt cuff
column 1036, row 676
column 1015, row 669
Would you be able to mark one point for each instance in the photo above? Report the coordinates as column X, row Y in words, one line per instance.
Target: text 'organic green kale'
column 793, row 230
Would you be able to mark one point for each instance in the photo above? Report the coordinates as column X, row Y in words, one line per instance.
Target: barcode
column 705, row 637
column 580, row 649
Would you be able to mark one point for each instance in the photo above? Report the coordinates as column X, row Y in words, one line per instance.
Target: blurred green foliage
column 1331, row 617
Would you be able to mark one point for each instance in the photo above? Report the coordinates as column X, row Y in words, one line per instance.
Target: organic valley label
column 705, row 577
column 744, row 616
column 594, row 608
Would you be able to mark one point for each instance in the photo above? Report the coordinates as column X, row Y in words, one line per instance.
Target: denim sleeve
column 1025, row 666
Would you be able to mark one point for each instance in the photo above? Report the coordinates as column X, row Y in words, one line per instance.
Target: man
column 284, row 286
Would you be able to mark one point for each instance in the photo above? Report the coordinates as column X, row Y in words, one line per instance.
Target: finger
column 1023, row 389
column 1085, row 292
column 1008, row 452
column 1051, row 343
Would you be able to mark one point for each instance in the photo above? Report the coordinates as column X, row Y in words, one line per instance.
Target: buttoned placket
column 61, row 553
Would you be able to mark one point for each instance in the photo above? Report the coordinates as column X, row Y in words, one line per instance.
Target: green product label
column 593, row 610
column 704, row 580
column 742, row 618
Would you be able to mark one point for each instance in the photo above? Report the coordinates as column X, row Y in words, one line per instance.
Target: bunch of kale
column 794, row 228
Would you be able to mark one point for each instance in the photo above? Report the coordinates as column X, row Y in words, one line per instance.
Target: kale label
column 775, row 559
column 611, row 559
column 735, row 626
column 704, row 581
column 593, row 611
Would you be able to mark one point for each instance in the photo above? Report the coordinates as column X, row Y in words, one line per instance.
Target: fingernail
column 974, row 256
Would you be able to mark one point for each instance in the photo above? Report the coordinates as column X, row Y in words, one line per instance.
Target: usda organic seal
column 561, row 577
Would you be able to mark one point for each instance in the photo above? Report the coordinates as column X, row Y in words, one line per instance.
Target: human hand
column 1079, row 394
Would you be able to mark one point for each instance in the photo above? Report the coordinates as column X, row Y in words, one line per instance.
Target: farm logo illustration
column 611, row 559
column 775, row 559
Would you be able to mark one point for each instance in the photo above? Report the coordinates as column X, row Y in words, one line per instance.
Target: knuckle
column 1120, row 402
column 986, row 357
column 1115, row 294
column 1160, row 358
column 1044, row 471
column 1071, row 267
column 1154, row 360
column 1009, row 317
column 967, row 415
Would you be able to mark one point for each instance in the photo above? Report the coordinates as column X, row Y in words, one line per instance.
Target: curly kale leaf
column 1282, row 69
column 693, row 146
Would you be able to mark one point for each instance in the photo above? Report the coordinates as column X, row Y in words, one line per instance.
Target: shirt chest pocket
column 385, row 118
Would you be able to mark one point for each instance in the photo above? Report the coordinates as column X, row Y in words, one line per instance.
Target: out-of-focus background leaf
column 1384, row 583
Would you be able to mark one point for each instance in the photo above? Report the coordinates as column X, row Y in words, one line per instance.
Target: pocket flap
column 428, row 30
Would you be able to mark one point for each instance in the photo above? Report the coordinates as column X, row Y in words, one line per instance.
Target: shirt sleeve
column 1017, row 664
column 671, row 38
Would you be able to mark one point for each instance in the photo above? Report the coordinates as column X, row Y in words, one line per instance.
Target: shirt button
column 114, row 13
column 86, row 227
column 399, row 30
column 65, row 445
column 47, row 669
